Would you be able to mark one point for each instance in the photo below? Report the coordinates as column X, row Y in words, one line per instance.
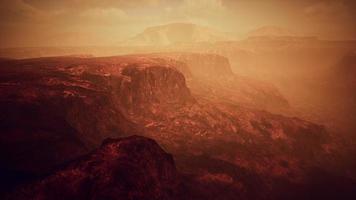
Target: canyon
column 227, row 133
column 177, row 100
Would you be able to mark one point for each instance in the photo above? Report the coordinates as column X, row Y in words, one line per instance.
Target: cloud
column 205, row 12
column 14, row 11
column 91, row 4
column 120, row 19
column 203, row 8
column 332, row 19
column 18, row 11
column 327, row 10
column 216, row 5
column 105, row 15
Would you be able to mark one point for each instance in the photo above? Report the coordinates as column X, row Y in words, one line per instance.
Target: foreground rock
column 129, row 168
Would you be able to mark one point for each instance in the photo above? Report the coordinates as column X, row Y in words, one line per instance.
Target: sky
column 107, row 22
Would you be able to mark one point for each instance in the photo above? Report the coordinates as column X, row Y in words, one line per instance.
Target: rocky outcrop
column 141, row 88
column 128, row 168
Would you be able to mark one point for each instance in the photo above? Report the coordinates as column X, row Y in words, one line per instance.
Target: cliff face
column 142, row 88
column 210, row 75
column 128, row 168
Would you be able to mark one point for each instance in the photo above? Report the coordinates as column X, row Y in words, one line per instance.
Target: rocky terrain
column 55, row 110
column 128, row 168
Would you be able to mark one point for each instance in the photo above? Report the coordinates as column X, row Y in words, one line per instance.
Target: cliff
column 210, row 75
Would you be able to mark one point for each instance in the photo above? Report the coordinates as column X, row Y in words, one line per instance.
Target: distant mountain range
column 176, row 33
column 188, row 33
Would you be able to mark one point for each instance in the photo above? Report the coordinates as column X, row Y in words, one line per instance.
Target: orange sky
column 107, row 22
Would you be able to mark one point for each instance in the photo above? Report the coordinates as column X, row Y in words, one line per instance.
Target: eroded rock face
column 142, row 88
column 210, row 75
column 128, row 168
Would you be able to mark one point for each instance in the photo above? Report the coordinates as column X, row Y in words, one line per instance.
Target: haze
column 178, row 99
column 94, row 22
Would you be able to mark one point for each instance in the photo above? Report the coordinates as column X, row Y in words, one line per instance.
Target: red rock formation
column 143, row 87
